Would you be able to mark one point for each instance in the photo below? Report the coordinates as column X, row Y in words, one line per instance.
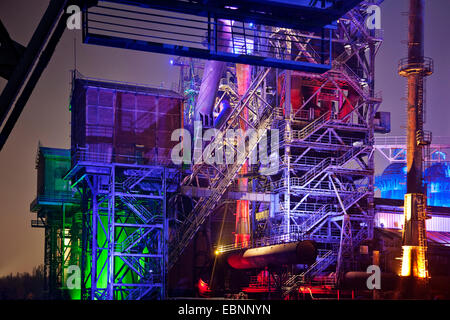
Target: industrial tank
column 438, row 179
column 392, row 182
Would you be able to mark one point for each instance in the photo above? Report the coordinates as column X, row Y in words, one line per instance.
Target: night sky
column 46, row 117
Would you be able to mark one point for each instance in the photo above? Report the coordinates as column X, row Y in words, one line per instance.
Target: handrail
column 226, row 174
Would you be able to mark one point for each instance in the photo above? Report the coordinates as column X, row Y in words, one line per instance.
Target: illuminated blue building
column 392, row 183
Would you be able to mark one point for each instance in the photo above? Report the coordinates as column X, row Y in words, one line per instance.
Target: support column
column 287, row 152
column 242, row 232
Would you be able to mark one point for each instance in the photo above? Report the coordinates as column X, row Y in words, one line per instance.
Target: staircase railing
column 323, row 165
column 321, row 264
column 129, row 241
column 313, row 126
column 141, row 211
column 135, row 179
column 225, row 174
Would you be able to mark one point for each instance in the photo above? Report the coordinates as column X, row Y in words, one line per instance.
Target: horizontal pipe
column 303, row 252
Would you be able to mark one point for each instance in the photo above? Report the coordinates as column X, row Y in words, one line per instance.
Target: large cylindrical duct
column 224, row 113
column 303, row 252
column 211, row 77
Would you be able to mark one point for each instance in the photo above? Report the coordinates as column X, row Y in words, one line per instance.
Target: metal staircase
column 136, row 178
column 147, row 278
column 225, row 174
column 137, row 266
column 321, row 264
column 324, row 212
column 353, row 80
column 321, row 167
column 312, row 127
column 346, row 55
column 141, row 211
column 315, row 218
column 130, row 241
column 328, row 162
column 298, row 231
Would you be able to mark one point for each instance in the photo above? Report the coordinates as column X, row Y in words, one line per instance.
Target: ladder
column 422, row 208
column 225, row 175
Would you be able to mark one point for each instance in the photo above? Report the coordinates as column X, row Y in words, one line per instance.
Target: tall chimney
column 415, row 68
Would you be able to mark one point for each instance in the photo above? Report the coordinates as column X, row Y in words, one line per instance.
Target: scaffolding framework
column 124, row 229
column 58, row 213
column 324, row 189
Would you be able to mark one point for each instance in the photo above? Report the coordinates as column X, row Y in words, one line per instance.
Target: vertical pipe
column 165, row 238
column 242, row 232
column 212, row 74
column 253, row 216
column 111, row 229
column 414, row 149
column 371, row 140
column 415, row 81
column 84, row 242
column 63, row 244
column 95, row 222
column 53, row 260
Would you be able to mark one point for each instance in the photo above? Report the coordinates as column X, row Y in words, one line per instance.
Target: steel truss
column 58, row 213
column 190, row 29
column 324, row 189
column 61, row 249
column 393, row 149
column 326, row 185
column 124, row 229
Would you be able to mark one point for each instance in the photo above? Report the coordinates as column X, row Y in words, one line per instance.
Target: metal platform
column 272, row 35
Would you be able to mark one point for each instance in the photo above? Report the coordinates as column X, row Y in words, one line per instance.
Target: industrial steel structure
column 324, row 189
column 278, row 126
column 120, row 165
column 57, row 210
